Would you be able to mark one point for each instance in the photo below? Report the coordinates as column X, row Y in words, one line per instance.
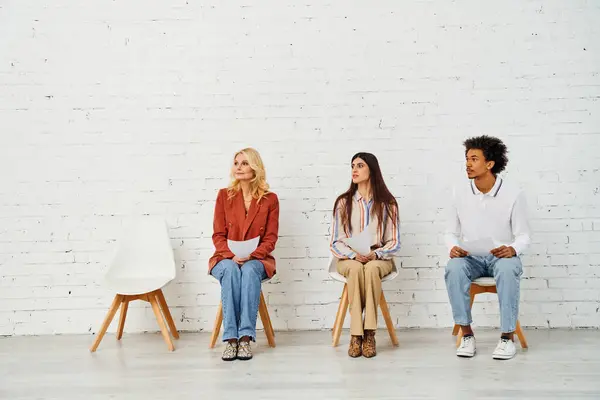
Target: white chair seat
column 341, row 278
column 487, row 281
column 135, row 286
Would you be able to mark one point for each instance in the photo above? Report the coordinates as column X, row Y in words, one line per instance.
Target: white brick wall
column 113, row 108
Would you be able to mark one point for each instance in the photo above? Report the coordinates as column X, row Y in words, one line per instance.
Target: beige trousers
column 364, row 291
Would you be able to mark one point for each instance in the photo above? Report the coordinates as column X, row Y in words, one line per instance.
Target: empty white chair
column 343, row 307
column 142, row 266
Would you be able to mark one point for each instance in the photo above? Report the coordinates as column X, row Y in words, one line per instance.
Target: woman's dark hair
column 493, row 150
column 382, row 198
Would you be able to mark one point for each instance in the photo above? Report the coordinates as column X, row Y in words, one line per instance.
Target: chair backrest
column 340, row 278
column 144, row 253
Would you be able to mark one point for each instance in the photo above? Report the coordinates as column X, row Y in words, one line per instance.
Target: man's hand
column 457, row 252
column 240, row 261
column 504, row 252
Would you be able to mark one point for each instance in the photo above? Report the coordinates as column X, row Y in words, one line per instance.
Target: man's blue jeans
column 240, row 295
column 460, row 272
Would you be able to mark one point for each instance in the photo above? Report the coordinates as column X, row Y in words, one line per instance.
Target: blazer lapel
column 254, row 207
column 236, row 208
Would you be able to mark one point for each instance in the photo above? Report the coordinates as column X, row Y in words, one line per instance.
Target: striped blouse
column 386, row 244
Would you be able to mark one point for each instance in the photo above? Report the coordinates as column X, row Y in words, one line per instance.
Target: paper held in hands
column 360, row 243
column 479, row 247
column 244, row 248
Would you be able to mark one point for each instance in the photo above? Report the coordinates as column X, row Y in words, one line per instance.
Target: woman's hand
column 372, row 256
column 365, row 259
column 240, row 261
column 361, row 258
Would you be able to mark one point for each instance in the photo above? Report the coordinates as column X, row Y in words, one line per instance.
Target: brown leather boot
column 355, row 348
column 369, row 348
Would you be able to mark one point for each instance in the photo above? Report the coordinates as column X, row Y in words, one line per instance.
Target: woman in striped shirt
column 367, row 204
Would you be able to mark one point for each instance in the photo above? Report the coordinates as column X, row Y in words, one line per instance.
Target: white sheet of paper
column 244, row 248
column 361, row 243
column 479, row 247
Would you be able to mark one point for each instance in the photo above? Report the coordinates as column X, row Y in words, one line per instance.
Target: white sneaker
column 505, row 350
column 467, row 347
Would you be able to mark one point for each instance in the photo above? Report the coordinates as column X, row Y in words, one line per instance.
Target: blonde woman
column 244, row 210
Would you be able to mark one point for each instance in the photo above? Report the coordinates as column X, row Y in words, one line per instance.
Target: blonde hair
column 258, row 185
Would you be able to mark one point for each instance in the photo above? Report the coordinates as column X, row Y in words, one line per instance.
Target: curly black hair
column 493, row 150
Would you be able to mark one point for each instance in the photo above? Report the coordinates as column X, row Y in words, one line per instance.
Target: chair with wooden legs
column 486, row 285
column 142, row 266
column 343, row 306
column 264, row 317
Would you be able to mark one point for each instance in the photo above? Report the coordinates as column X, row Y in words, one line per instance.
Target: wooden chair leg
column 124, row 307
column 521, row 336
column 388, row 319
column 337, row 318
column 455, row 330
column 161, row 321
column 262, row 297
column 217, row 327
column 107, row 320
column 337, row 329
column 264, row 316
column 459, row 336
column 165, row 309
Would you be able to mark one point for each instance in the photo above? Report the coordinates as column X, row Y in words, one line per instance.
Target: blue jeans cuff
column 252, row 335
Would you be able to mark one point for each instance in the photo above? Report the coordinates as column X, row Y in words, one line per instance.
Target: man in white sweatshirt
column 486, row 209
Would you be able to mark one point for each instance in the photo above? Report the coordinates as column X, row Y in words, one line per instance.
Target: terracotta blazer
column 230, row 222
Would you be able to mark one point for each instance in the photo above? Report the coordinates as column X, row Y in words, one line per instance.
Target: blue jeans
column 460, row 272
column 240, row 295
